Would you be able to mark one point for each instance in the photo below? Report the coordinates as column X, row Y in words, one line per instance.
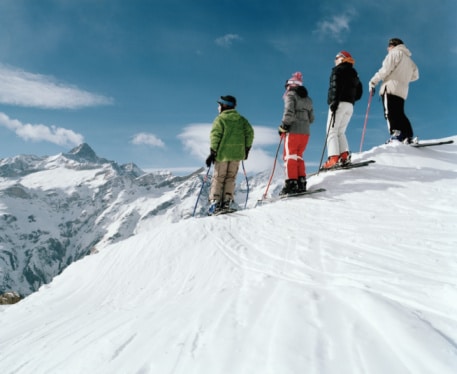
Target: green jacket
column 230, row 135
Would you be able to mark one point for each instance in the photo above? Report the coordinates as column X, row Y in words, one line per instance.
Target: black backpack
column 358, row 89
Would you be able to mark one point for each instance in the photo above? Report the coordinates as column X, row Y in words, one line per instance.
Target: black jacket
column 344, row 85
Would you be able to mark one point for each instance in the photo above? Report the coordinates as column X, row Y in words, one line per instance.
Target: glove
column 283, row 128
column 371, row 87
column 334, row 106
column 211, row 158
column 246, row 151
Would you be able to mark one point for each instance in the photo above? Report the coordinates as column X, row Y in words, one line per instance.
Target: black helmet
column 228, row 101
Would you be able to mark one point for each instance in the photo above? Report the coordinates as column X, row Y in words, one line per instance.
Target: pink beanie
column 296, row 79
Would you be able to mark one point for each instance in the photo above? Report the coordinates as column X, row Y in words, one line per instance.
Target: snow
column 65, row 177
column 359, row 279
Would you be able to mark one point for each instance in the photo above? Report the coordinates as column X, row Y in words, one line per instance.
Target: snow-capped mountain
column 55, row 210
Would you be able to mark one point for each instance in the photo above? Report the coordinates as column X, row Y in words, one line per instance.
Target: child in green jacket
column 231, row 139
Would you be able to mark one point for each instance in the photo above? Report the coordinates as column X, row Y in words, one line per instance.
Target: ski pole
column 247, row 185
column 366, row 119
column 274, row 166
column 201, row 189
column 331, row 124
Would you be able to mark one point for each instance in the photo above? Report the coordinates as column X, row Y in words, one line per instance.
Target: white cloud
column 195, row 139
column 265, row 136
column 37, row 133
column 227, row 40
column 148, row 139
column 22, row 88
column 336, row 26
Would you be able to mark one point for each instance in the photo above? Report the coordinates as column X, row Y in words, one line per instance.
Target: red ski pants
column 294, row 147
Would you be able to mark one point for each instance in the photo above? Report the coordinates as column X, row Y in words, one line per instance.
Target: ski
column 287, row 196
column 431, row 144
column 310, row 192
column 351, row 165
column 223, row 211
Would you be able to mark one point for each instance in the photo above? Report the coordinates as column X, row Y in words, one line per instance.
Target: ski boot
column 331, row 162
column 214, row 207
column 301, row 184
column 290, row 187
column 345, row 158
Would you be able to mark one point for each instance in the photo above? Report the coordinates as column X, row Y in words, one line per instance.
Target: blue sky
column 138, row 80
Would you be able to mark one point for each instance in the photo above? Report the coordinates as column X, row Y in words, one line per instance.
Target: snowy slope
column 359, row 279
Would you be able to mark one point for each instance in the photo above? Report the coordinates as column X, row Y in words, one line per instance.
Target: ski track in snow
column 360, row 279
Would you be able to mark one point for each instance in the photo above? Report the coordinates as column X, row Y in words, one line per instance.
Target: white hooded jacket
column 398, row 69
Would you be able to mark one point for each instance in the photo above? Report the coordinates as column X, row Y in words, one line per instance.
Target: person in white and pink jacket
column 397, row 71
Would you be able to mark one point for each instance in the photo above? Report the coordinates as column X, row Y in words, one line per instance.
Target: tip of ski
column 431, row 144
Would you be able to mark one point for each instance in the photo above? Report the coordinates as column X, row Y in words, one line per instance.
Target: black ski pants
column 394, row 112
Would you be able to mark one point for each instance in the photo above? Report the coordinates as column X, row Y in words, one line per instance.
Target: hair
column 395, row 42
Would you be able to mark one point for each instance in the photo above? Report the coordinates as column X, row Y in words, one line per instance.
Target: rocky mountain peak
column 84, row 153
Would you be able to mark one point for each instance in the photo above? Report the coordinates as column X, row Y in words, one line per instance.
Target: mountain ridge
column 57, row 209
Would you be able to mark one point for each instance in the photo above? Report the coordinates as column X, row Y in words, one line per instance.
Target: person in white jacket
column 398, row 69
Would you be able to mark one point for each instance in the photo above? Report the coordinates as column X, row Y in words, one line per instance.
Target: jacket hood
column 301, row 91
column 403, row 48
